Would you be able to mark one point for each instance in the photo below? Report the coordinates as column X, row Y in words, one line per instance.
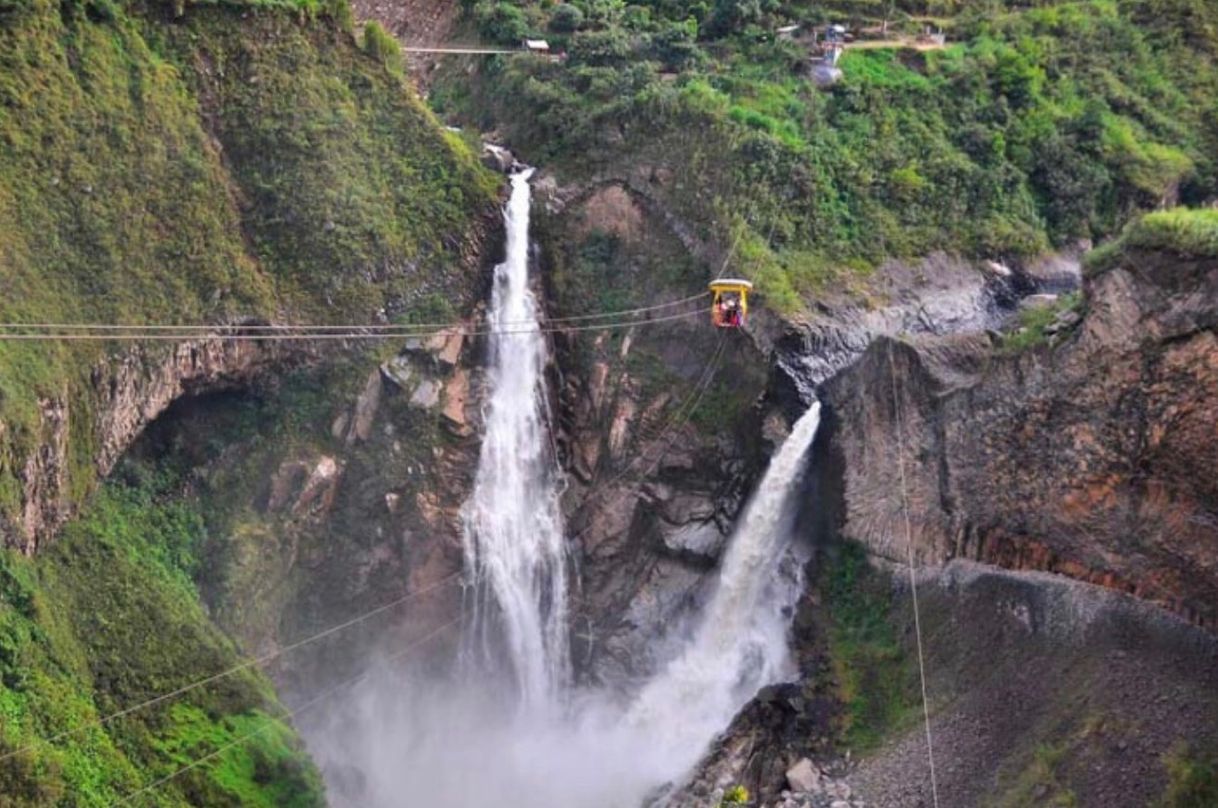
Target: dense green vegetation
column 222, row 165
column 161, row 163
column 105, row 619
column 1033, row 323
column 1037, row 126
column 875, row 678
column 1192, row 779
column 1189, row 233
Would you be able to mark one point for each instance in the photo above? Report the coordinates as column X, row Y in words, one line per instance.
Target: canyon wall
column 1092, row 457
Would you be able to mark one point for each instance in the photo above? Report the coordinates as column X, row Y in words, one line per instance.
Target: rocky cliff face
column 655, row 424
column 128, row 392
column 1060, row 691
column 659, row 470
column 1092, row 458
column 1089, row 457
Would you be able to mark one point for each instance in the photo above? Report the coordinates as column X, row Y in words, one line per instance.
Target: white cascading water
column 513, row 539
column 512, row 731
column 740, row 644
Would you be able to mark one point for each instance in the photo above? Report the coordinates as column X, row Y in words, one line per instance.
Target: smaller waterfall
column 513, row 538
column 741, row 642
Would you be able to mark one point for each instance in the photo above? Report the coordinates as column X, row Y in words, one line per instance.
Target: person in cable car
column 732, row 303
column 730, row 306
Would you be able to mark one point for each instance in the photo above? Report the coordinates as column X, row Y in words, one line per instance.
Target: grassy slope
column 1041, row 125
column 108, row 618
column 224, row 164
column 1181, row 232
column 873, row 674
column 201, row 170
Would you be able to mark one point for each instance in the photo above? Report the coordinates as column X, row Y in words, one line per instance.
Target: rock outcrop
column 1084, row 466
column 1092, row 458
column 124, row 395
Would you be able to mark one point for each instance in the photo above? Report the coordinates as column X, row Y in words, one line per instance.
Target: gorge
column 346, row 460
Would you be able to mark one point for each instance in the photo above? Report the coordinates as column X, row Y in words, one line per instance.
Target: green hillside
column 1039, row 124
column 238, row 161
column 181, row 165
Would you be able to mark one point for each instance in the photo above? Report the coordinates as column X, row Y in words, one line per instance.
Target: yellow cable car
column 730, row 307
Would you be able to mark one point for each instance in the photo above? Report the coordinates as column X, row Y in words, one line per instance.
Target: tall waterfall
column 513, row 537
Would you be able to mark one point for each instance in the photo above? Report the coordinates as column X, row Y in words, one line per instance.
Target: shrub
column 340, row 11
column 736, row 795
column 1190, row 232
column 1034, row 323
column 1192, row 781
column 601, row 48
column 502, row 23
column 381, row 46
column 675, row 44
column 730, row 16
column 566, row 18
column 1184, row 231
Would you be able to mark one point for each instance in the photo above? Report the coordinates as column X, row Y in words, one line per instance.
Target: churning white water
column 512, row 731
column 513, row 538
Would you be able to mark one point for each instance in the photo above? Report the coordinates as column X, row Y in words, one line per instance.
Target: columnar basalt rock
column 1092, row 458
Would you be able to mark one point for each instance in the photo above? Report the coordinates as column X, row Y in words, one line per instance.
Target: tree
column 501, row 22
column 730, row 16
column 601, row 48
column 675, row 44
column 566, row 18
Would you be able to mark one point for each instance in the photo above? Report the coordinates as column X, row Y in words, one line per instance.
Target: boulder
column 320, row 488
column 688, row 507
column 1064, row 321
column 285, row 482
column 427, row 394
column 803, row 777
column 365, row 408
column 620, row 428
column 456, row 391
column 450, row 351
column 497, row 158
column 398, row 371
column 703, row 540
column 1037, row 301
column 596, row 384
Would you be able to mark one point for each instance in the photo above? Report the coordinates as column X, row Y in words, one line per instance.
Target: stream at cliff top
column 510, row 729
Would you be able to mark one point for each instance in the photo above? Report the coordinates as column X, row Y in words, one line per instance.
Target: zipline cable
column 913, row 578
column 682, row 413
column 348, row 327
column 680, row 416
column 284, row 336
column 249, row 663
column 286, row 715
